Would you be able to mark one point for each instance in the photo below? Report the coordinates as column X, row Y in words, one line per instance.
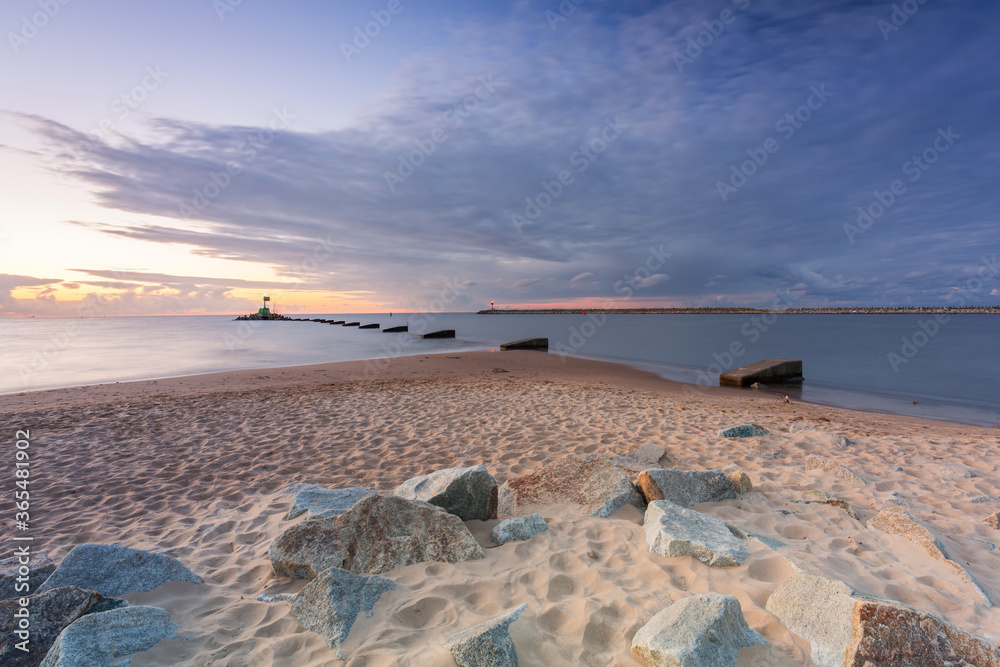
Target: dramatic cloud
column 802, row 148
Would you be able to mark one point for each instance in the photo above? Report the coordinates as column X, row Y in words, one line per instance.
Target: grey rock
column 50, row 613
column 772, row 543
column 698, row 631
column 487, row 644
column 298, row 486
column 330, row 603
column 377, row 534
column 820, row 610
column 642, row 458
column 521, row 528
column 279, row 597
column 39, row 567
column 321, row 501
column 103, row 639
column 674, row 531
column 591, row 482
column 847, row 628
column 686, row 487
column 743, row 431
column 468, row 493
column 112, row 570
column 982, row 499
column 895, row 499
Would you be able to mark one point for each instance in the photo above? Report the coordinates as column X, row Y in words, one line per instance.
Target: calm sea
column 872, row 362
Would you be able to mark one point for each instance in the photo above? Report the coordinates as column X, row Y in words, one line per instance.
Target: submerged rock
column 113, row 570
column 100, row 639
column 50, row 612
column 330, row 603
column 487, row 644
column 743, row 431
column 321, row 501
column 377, row 534
column 698, row 631
column 39, row 567
column 590, row 481
column 897, row 521
column 521, row 528
column 845, row 628
column 686, row 487
column 674, row 531
column 468, row 493
column 993, row 520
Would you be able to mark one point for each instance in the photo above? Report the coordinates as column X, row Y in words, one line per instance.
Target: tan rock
column 814, row 462
column 894, row 634
column 845, row 628
column 378, row 533
column 993, row 520
column 897, row 521
column 741, row 481
column 592, row 482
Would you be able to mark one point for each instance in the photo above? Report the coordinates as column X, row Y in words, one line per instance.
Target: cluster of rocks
column 351, row 536
column 76, row 616
column 344, row 550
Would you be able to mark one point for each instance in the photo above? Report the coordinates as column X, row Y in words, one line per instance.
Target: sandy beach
column 194, row 466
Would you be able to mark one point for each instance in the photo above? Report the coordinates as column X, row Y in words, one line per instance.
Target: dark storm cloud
column 837, row 104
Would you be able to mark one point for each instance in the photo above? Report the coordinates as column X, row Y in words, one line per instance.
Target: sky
column 397, row 155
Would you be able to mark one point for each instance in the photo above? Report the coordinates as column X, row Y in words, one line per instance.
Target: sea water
column 946, row 368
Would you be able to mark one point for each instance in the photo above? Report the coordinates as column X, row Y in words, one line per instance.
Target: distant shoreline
column 878, row 310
